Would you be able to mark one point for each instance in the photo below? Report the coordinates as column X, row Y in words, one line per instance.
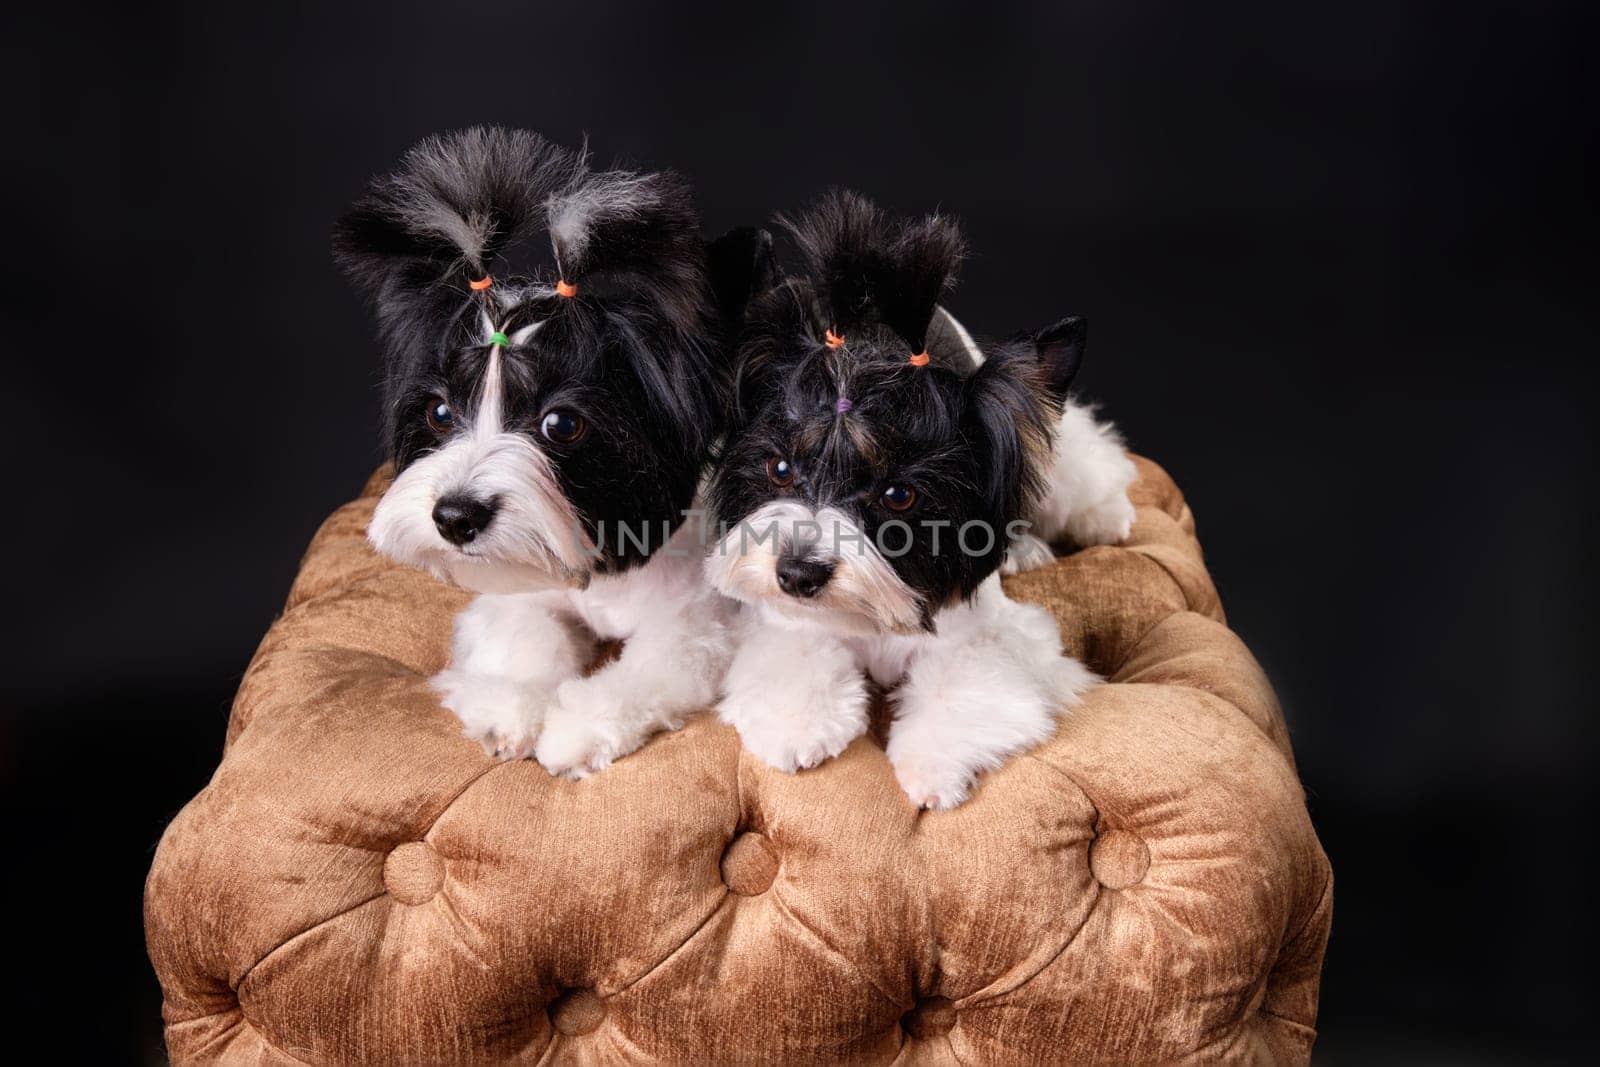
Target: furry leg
column 668, row 670
column 796, row 696
column 971, row 700
column 507, row 655
column 1087, row 498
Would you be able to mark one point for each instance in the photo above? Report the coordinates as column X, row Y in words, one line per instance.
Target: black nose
column 461, row 518
column 803, row 577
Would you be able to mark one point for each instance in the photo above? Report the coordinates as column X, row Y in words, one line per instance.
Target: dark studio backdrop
column 1339, row 269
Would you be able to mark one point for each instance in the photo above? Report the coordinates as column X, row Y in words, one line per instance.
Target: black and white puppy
column 549, row 430
column 879, row 468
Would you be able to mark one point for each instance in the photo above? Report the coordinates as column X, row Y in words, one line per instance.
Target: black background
column 1339, row 269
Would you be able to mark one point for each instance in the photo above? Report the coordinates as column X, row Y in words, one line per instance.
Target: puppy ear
column 1011, row 412
column 1060, row 350
column 741, row 265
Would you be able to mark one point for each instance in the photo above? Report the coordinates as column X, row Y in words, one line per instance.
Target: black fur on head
column 867, row 268
column 861, row 428
column 620, row 336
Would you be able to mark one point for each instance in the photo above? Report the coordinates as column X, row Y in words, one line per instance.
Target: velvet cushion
column 358, row 883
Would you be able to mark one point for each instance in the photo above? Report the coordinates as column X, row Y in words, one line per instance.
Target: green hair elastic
column 498, row 338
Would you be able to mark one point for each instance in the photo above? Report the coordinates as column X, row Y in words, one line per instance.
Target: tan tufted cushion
column 359, row 883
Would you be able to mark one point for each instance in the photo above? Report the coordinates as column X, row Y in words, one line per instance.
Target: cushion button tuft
column 413, row 873
column 1119, row 859
column 929, row 1018
column 749, row 865
column 577, row 1011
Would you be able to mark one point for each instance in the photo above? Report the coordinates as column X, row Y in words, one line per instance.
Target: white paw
column 588, row 727
column 1106, row 522
column 1025, row 553
column 791, row 743
column 501, row 715
column 932, row 780
column 574, row 748
column 938, row 747
column 795, row 730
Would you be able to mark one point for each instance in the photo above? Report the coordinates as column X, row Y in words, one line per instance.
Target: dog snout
column 460, row 518
column 803, row 577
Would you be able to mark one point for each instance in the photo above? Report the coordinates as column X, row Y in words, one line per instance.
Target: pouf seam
column 729, row 900
column 836, row 953
column 1207, row 694
column 1134, row 646
column 1034, row 757
column 259, row 663
column 221, row 1037
column 990, row 996
column 244, row 976
column 1322, row 898
column 1187, row 603
column 1173, row 684
column 1286, row 1019
column 376, row 569
column 243, row 1023
column 267, row 657
column 275, row 1047
column 457, row 924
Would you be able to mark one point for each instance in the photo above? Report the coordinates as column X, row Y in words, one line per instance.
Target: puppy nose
column 461, row 518
column 803, row 577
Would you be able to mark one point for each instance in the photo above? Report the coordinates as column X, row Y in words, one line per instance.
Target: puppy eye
column 562, row 427
column 780, row 472
column 440, row 417
column 899, row 497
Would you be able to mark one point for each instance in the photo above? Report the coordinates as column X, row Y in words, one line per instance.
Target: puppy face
column 520, row 463
column 868, row 482
column 533, row 418
column 867, row 492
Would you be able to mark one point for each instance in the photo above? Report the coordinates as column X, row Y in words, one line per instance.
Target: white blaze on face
column 864, row 595
column 535, row 540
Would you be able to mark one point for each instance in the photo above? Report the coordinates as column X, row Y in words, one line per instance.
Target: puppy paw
column 1105, row 522
column 792, row 743
column 932, row 781
column 939, row 746
column 573, row 748
column 502, row 716
column 589, row 726
column 796, row 730
column 1025, row 553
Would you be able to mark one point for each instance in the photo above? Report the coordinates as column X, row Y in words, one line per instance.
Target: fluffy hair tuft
column 461, row 205
column 869, row 267
column 457, row 200
column 622, row 228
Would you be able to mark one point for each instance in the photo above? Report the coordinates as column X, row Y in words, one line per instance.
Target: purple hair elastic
column 842, row 405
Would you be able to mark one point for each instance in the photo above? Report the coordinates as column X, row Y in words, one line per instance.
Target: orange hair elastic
column 563, row 288
column 478, row 285
column 920, row 359
column 832, row 339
